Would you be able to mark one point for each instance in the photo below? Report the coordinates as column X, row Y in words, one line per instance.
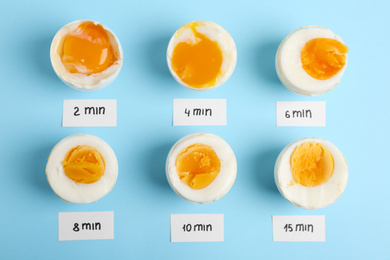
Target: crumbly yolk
column 87, row 49
column 311, row 164
column 197, row 64
column 322, row 58
column 197, row 166
column 84, row 164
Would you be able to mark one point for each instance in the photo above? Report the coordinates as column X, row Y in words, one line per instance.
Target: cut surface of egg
column 201, row 55
column 82, row 168
column 201, row 168
column 311, row 60
column 86, row 55
column 311, row 173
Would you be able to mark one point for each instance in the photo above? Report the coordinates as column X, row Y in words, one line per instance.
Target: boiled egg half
column 311, row 60
column 201, row 55
column 201, row 168
column 82, row 168
column 86, row 55
column 311, row 173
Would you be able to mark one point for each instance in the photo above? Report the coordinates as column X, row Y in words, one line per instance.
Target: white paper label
column 188, row 112
column 299, row 228
column 85, row 225
column 197, row 228
column 301, row 113
column 89, row 112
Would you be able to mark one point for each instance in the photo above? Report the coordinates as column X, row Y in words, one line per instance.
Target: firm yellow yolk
column 322, row 58
column 197, row 166
column 87, row 49
column 84, row 164
column 311, row 164
column 197, row 64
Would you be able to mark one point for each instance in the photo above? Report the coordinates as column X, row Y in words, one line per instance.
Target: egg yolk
column 197, row 64
column 197, row 166
column 84, row 164
column 322, row 58
column 87, row 49
column 311, row 164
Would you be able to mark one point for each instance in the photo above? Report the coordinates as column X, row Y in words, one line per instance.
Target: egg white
column 81, row 81
column 311, row 197
column 289, row 65
column 215, row 33
column 71, row 191
column 221, row 184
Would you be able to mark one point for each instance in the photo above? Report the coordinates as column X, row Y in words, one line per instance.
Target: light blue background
column 357, row 225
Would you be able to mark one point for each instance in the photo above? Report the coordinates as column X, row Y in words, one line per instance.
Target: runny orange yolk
column 87, row 49
column 311, row 164
column 197, row 64
column 84, row 164
column 197, row 166
column 322, row 58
